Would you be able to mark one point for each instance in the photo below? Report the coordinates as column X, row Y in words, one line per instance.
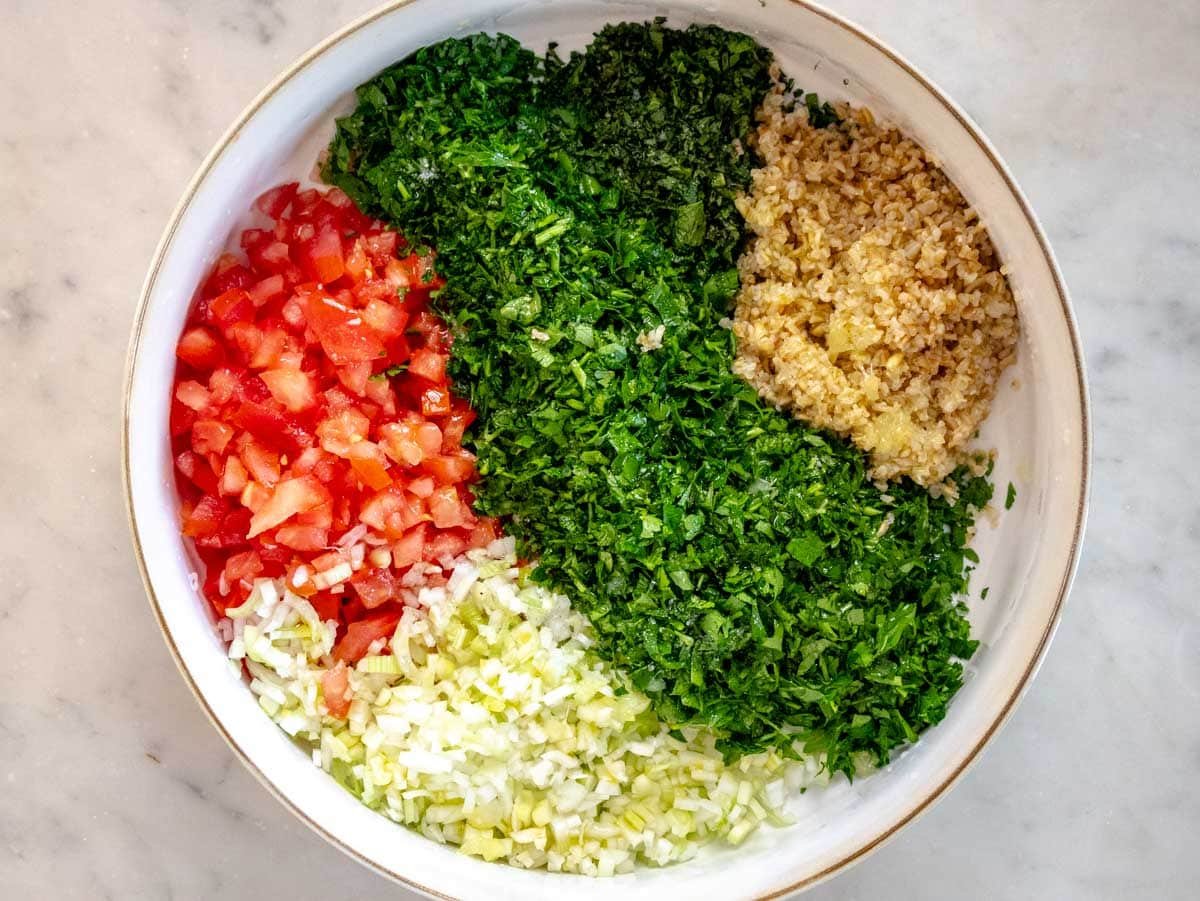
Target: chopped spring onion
column 492, row 726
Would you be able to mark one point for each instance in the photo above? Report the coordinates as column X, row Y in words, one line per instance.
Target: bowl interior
column 1038, row 426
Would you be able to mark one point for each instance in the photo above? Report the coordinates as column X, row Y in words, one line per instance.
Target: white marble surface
column 112, row 784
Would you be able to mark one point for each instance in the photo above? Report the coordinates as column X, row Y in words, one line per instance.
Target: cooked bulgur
column 872, row 303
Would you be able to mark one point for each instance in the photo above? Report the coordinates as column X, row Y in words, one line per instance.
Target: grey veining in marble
column 111, row 782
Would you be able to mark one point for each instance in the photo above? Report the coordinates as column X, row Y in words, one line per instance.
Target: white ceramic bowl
column 1038, row 425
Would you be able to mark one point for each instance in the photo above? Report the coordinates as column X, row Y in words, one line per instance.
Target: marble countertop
column 112, row 784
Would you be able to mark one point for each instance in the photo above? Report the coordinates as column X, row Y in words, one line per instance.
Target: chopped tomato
column 290, row 497
column 428, row 365
column 276, row 200
column 312, row 400
column 410, row 548
column 245, row 565
column 374, row 586
column 302, row 538
column 400, row 442
column 290, row 387
column 335, row 690
column 446, row 544
column 342, row 332
column 321, row 256
column 233, row 477
column 199, row 349
column 197, row 470
column 193, row 395
column 484, row 533
column 370, row 464
column 448, row 510
column 340, row 431
column 361, row 635
column 205, row 518
column 210, row 436
column 450, row 469
column 435, row 401
column 455, row 425
column 269, row 289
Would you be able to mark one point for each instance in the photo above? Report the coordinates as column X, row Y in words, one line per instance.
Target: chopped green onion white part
column 491, row 726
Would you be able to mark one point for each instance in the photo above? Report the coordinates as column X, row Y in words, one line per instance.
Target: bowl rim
column 919, row 806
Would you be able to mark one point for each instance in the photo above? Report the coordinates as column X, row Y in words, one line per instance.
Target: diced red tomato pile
column 298, row 456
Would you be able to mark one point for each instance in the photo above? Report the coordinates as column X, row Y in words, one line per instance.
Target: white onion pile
column 488, row 724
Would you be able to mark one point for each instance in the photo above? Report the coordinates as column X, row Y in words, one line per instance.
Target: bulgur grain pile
column 872, row 301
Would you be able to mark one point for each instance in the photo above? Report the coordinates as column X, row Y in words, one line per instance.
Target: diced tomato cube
column 429, row 436
column 193, row 395
column 432, row 330
column 347, row 214
column 435, row 401
column 448, row 510
column 245, row 565
column 330, row 559
column 230, row 307
column 267, row 290
column 335, row 690
column 210, row 436
column 181, row 418
column 272, row 258
column 446, row 545
column 355, row 376
column 304, row 202
column 393, row 511
column 357, row 264
column 319, row 517
column 276, row 200
column 381, row 248
column 361, row 635
column 422, row 487
column 232, row 532
column 455, row 425
column 370, row 464
column 484, row 533
column 428, row 365
column 321, row 256
column 228, row 274
column 290, row 387
column 342, row 429
column 254, row 495
column 272, row 427
column 247, row 336
column 254, row 237
column 291, row 496
column 205, row 518
column 197, row 470
column 380, row 393
column 410, row 547
column 400, row 442
column 302, row 538
column 343, row 334
column 326, row 604
column 233, row 477
column 261, row 462
column 375, row 586
column 450, row 469
column 387, row 319
column 200, row 349
column 270, row 348
column 224, row 384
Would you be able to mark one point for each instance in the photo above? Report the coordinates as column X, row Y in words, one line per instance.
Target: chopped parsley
column 738, row 565
column 1011, row 497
